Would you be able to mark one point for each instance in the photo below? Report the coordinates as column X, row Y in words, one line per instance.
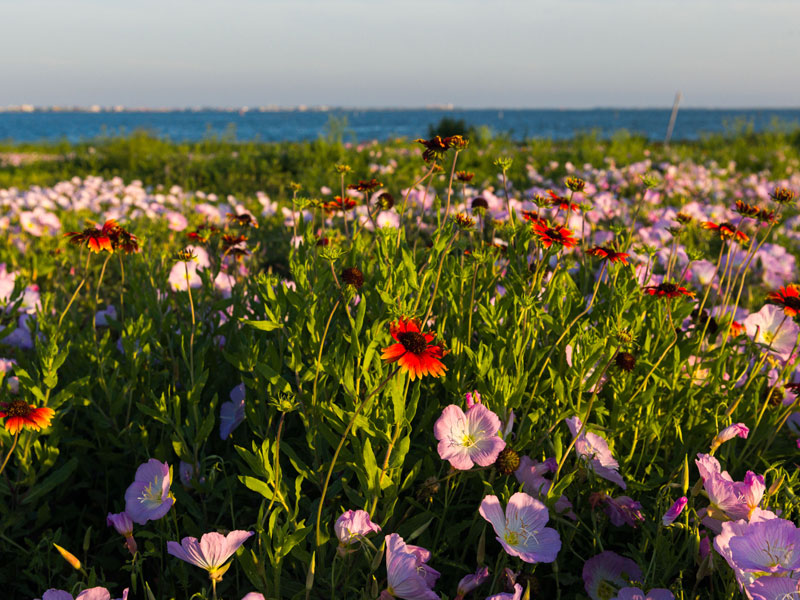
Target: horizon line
column 117, row 108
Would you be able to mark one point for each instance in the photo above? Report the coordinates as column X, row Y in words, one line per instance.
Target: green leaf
column 53, row 480
column 262, row 325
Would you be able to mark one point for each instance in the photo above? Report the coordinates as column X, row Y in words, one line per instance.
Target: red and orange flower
column 533, row 217
column 609, row 254
column 97, row 240
column 365, row 186
column 19, row 414
column 561, row 203
column 338, row 204
column 414, row 351
column 554, row 234
column 788, row 297
column 727, row 231
column 667, row 290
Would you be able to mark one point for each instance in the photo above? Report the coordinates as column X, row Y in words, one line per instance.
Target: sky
column 392, row 53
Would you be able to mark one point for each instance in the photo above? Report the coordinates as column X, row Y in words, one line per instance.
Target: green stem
column 10, row 451
column 75, row 293
column 194, row 322
column 342, row 440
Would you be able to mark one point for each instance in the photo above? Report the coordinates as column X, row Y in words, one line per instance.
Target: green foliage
column 330, row 426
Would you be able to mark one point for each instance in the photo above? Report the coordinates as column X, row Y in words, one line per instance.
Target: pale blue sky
column 493, row 53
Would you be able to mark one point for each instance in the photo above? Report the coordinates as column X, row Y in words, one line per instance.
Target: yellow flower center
column 511, row 538
column 152, row 492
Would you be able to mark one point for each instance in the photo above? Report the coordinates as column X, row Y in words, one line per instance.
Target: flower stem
column 342, row 440
column 75, row 293
column 10, row 451
column 450, row 186
column 194, row 322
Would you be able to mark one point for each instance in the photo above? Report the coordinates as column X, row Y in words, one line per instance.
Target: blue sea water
column 384, row 124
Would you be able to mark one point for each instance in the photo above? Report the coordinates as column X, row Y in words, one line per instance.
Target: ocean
column 374, row 124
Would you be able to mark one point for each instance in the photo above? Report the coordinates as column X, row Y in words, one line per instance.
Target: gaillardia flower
column 554, row 234
column 561, row 203
column 148, row 498
column 414, row 351
column 727, row 231
column 667, row 290
column 521, row 528
column 338, row 204
column 211, row 552
column 468, row 438
column 19, row 414
column 96, row 239
column 788, row 297
column 609, row 254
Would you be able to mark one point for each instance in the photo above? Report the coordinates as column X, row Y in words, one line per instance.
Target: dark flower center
column 792, row 302
column 413, row 341
column 507, row 461
column 353, row 276
column 18, row 408
column 668, row 288
column 480, row 202
column 555, row 235
column 625, row 361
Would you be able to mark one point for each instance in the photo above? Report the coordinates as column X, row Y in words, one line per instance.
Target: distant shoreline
column 360, row 125
column 32, row 109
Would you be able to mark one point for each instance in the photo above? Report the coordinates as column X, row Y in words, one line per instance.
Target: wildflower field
column 442, row 368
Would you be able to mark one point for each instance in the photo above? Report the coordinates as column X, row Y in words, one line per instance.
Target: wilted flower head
column 595, row 451
column 148, row 498
column 730, row 432
column 521, row 528
column 365, row 186
column 470, row 582
column 621, row 510
column 634, row 593
column 782, row 195
column 608, row 572
column 674, row 511
column 575, row 184
column 353, row 525
column 211, row 552
column 507, row 461
column 468, row 439
column 353, row 276
column 231, row 413
column 464, row 221
column 124, row 526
